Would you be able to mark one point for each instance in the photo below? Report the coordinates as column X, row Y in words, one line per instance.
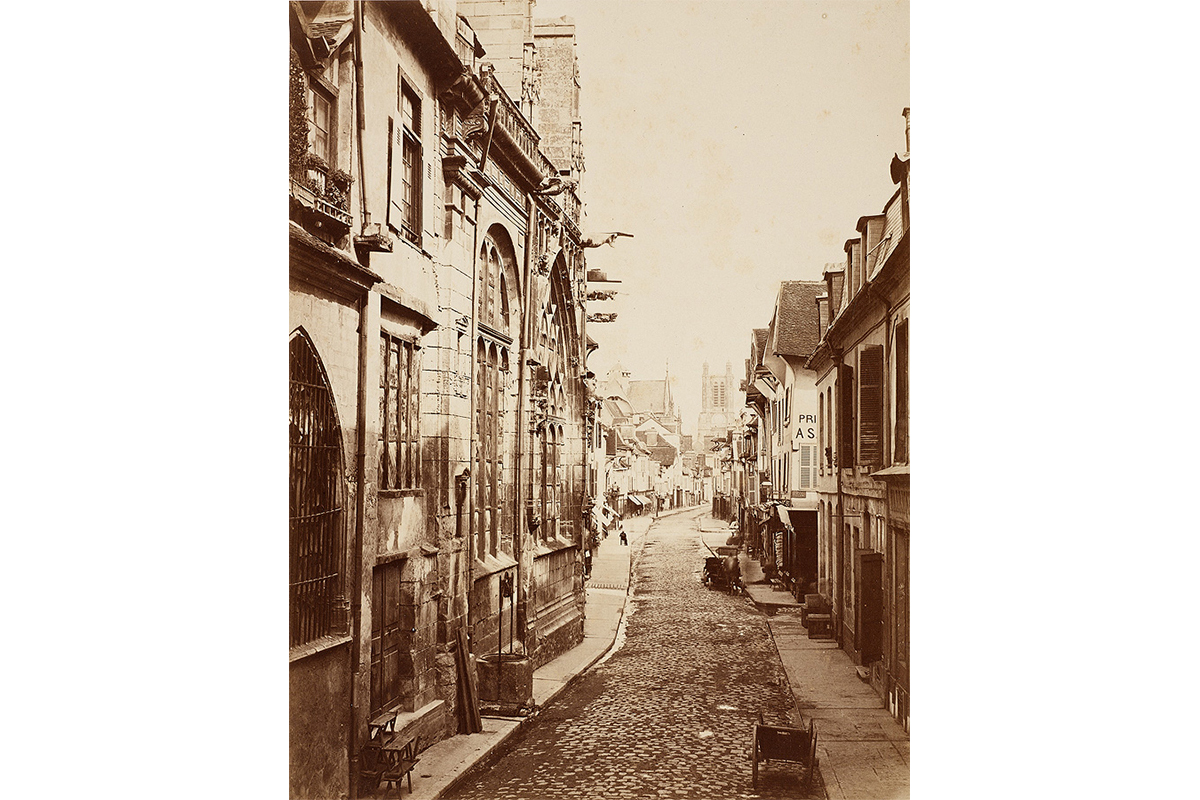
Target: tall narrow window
column 870, row 402
column 404, row 204
column 548, row 482
column 493, row 302
column 320, row 124
column 399, row 396
column 545, row 483
column 829, row 432
column 315, row 504
column 845, row 416
column 806, row 466
column 821, row 431
column 902, row 393
column 491, row 370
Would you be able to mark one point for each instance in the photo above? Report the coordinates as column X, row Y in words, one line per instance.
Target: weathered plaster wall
column 319, row 720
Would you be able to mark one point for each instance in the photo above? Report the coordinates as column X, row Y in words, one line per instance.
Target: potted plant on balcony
column 316, row 170
column 337, row 188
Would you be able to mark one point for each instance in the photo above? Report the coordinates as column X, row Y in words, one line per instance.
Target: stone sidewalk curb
column 493, row 749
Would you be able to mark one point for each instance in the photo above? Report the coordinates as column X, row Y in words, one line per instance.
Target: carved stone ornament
column 476, row 123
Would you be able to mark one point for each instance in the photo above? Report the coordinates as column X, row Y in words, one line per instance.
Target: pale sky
column 739, row 141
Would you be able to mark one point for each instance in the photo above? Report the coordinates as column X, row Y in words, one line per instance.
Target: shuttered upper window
column 870, row 406
column 405, row 166
column 901, row 454
column 845, row 416
column 808, row 460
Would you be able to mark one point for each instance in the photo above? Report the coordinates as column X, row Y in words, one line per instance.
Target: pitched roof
column 797, row 329
column 760, row 347
column 663, row 453
column 327, row 28
column 650, row 396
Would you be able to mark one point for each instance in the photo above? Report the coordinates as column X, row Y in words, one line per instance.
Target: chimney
column 837, row 279
column 907, row 145
column 852, row 277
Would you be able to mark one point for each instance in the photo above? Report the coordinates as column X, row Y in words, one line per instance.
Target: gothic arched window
column 315, row 518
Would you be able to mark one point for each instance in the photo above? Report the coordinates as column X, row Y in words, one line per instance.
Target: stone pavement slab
column 863, row 752
column 442, row 763
column 764, row 594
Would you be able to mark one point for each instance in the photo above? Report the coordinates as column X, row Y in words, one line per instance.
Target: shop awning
column 636, row 500
column 892, row 472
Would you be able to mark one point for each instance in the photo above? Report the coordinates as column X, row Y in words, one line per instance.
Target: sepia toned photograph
column 599, row 441
column 588, row 470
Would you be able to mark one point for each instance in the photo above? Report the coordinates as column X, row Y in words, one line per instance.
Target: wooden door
column 869, row 606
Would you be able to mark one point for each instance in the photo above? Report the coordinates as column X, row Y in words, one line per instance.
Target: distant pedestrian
column 624, row 538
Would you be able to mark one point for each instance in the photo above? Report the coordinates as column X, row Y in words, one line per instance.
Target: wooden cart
column 776, row 743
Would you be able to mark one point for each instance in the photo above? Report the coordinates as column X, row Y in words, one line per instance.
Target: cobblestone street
column 670, row 713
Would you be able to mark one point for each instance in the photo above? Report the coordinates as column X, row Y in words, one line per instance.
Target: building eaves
column 428, row 43
column 861, row 305
column 320, row 264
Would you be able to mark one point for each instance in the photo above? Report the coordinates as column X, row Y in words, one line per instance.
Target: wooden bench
column 400, row 760
column 778, row 743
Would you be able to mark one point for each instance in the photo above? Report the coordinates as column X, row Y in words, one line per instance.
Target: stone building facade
column 436, row 406
column 863, row 477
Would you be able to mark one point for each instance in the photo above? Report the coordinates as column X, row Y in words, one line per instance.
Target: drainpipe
column 523, row 417
column 365, row 327
column 474, row 328
column 360, row 457
column 360, row 114
column 839, row 514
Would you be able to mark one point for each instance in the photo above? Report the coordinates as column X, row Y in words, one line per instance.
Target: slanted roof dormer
column 853, row 268
column 870, row 229
column 835, row 276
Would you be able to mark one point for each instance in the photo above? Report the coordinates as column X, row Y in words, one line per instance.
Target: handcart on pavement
column 721, row 571
column 779, row 743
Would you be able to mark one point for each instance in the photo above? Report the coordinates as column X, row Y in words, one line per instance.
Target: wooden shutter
column 845, row 416
column 395, row 206
column 901, row 455
column 870, row 406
